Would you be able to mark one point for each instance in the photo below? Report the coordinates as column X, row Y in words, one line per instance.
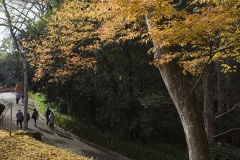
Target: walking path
column 59, row 137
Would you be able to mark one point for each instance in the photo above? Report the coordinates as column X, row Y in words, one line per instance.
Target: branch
column 11, row 27
column 21, row 13
column 224, row 48
column 6, row 25
column 3, row 24
column 24, row 19
column 200, row 77
column 1, row 18
column 234, row 106
column 39, row 6
column 226, row 132
column 212, row 53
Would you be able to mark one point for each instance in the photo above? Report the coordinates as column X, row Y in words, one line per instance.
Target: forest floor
column 58, row 137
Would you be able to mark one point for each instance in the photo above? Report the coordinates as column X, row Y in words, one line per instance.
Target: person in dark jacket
column 47, row 114
column 35, row 116
column 28, row 118
column 18, row 96
column 20, row 118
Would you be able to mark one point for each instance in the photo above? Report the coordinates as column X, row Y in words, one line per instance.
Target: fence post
column 10, row 122
column 2, row 121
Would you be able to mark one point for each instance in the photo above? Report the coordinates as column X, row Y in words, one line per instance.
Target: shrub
column 127, row 148
column 224, row 152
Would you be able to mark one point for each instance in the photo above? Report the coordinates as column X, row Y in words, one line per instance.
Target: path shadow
column 60, row 134
column 56, row 142
column 44, row 130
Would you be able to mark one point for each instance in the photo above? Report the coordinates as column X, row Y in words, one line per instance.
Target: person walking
column 28, row 118
column 47, row 114
column 18, row 96
column 20, row 118
column 51, row 121
column 35, row 117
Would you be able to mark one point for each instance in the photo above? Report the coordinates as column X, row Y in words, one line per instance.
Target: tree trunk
column 2, row 108
column 93, row 108
column 186, row 103
column 227, row 99
column 69, row 103
column 23, row 59
column 208, row 108
column 219, row 78
column 188, row 109
column 25, row 93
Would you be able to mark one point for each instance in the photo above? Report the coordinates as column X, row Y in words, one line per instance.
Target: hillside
column 20, row 146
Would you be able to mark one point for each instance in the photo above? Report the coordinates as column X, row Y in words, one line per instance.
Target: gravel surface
column 59, row 137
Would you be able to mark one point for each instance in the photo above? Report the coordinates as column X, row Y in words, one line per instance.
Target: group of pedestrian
column 50, row 118
column 20, row 118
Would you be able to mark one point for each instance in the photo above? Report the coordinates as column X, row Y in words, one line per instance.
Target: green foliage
column 127, row 148
column 35, row 30
column 39, row 99
column 10, row 64
column 224, row 152
column 126, row 99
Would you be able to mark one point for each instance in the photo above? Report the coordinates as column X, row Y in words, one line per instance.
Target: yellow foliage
column 71, row 36
column 23, row 147
column 165, row 58
column 210, row 31
column 202, row 32
column 227, row 68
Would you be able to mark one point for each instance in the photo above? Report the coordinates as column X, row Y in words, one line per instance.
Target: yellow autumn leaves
column 23, row 147
column 77, row 30
column 69, row 44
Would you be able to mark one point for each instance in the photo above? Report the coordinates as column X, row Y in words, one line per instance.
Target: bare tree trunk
column 208, row 108
column 24, row 61
column 25, row 93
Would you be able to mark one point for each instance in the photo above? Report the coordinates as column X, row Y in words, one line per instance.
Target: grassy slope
column 23, row 147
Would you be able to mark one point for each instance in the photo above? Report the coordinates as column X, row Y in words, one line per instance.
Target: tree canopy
column 199, row 32
column 186, row 36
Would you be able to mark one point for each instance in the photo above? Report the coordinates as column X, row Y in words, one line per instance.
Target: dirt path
column 59, row 137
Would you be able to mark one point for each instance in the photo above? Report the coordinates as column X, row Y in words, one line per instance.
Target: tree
column 10, row 65
column 180, row 38
column 15, row 26
column 66, row 47
column 186, row 37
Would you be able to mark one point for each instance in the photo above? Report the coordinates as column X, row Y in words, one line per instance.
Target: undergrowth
column 129, row 149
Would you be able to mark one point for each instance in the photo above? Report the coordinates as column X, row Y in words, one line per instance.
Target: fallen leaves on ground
column 23, row 147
